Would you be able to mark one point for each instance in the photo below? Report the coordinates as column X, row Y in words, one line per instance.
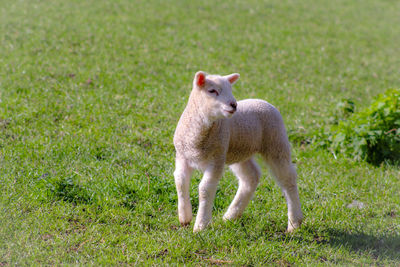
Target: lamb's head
column 215, row 93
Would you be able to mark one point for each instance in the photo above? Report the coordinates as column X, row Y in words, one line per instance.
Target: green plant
column 372, row 134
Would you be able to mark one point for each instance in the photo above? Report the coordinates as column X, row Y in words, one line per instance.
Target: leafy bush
column 372, row 134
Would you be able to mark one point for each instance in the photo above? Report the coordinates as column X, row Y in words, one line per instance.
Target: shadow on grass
column 380, row 246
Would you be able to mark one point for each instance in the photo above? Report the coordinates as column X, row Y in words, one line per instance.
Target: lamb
column 215, row 130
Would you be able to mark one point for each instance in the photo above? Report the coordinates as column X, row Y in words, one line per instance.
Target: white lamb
column 215, row 130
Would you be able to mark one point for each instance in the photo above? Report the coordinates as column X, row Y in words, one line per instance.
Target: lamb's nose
column 233, row 105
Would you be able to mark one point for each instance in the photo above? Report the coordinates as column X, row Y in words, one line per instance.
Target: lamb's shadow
column 379, row 246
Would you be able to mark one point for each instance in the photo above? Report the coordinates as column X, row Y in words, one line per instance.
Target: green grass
column 91, row 92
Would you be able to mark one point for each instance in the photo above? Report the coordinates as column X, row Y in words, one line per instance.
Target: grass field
column 90, row 94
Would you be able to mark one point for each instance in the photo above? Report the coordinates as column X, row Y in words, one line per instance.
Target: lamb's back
column 255, row 126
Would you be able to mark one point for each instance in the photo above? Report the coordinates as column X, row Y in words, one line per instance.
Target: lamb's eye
column 213, row 91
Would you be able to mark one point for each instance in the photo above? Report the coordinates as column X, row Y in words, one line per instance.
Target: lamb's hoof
column 292, row 226
column 226, row 218
column 199, row 227
column 230, row 217
column 185, row 220
column 185, row 224
column 196, row 230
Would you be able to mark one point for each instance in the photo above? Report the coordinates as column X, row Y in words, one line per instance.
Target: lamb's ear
column 232, row 78
column 200, row 78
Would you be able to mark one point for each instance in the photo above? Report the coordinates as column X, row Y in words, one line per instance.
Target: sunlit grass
column 90, row 94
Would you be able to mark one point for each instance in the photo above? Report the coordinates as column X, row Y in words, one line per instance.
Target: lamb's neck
column 202, row 127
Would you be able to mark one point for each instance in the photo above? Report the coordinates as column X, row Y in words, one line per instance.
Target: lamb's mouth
column 230, row 111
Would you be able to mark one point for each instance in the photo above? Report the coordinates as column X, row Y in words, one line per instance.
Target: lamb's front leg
column 182, row 181
column 207, row 190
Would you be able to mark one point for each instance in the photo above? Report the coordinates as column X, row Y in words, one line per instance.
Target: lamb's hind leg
column 248, row 174
column 285, row 174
